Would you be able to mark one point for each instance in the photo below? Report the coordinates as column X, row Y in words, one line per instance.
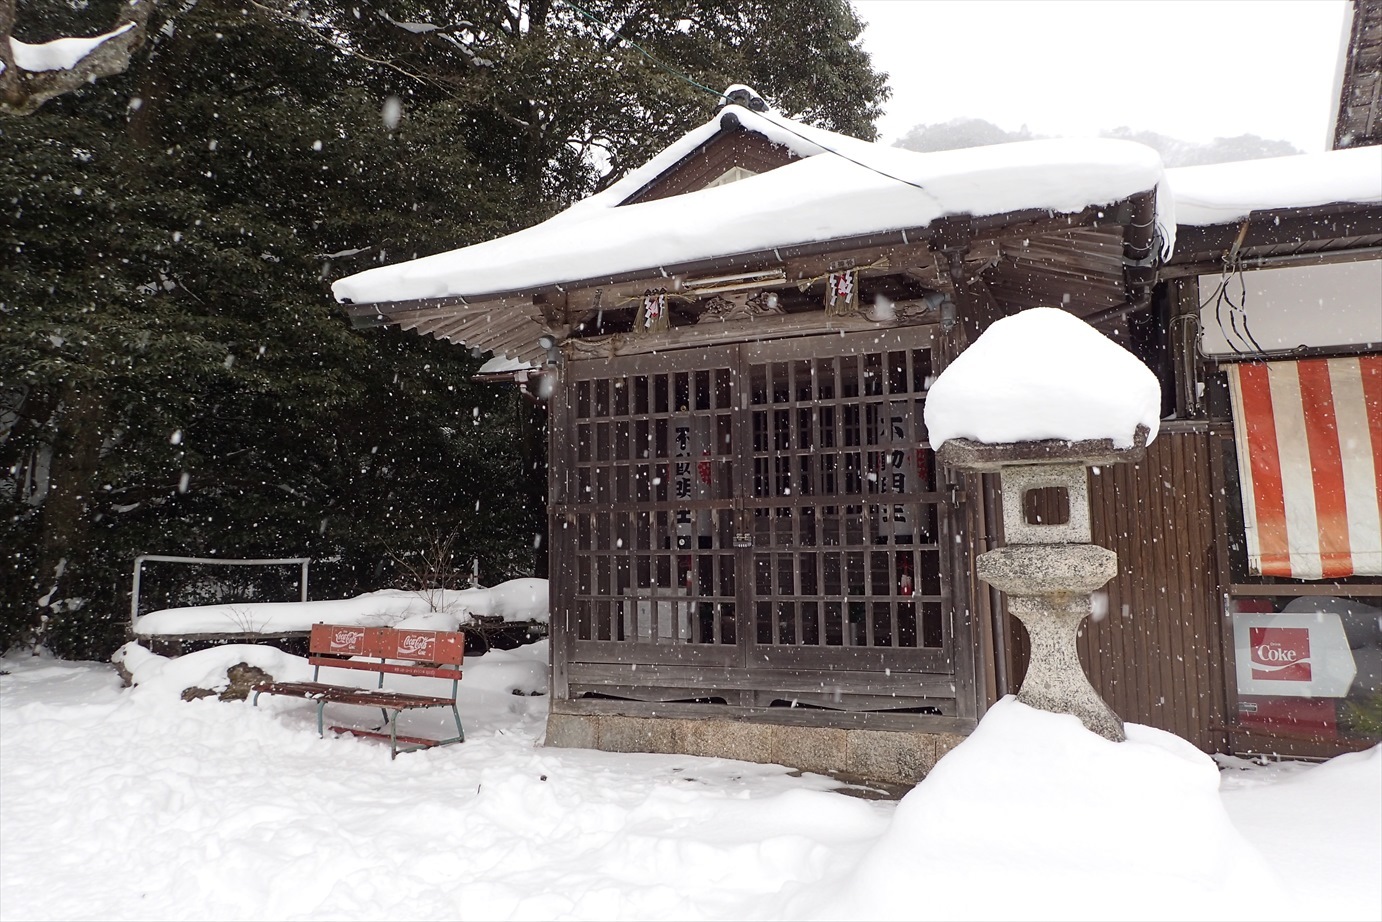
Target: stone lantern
column 1038, row 398
column 1049, row 569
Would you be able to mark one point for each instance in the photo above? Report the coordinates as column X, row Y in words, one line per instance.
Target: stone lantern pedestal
column 1049, row 569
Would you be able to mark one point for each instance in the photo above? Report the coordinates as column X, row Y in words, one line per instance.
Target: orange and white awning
column 1309, row 436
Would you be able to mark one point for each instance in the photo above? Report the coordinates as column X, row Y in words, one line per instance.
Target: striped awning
column 1309, row 437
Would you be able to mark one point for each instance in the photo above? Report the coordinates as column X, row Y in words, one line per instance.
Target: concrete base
column 895, row 757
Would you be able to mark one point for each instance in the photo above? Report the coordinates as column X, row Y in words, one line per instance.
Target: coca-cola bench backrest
column 446, row 647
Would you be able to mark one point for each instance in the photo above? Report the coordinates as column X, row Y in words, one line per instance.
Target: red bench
column 436, row 654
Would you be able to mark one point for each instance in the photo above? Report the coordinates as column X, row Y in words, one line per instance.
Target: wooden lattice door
column 650, row 493
column 746, row 513
column 845, row 552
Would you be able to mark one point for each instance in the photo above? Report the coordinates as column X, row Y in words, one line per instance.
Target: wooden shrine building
column 753, row 552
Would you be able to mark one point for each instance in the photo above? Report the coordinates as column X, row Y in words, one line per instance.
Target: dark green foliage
column 174, row 376
column 1363, row 716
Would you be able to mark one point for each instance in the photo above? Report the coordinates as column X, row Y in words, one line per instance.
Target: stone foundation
column 895, row 757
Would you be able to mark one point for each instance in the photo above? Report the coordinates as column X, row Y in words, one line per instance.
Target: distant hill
column 960, row 133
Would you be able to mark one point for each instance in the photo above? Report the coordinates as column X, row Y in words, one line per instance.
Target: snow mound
column 437, row 609
column 1033, row 810
column 1344, row 791
column 166, row 677
column 521, row 671
column 1043, row 374
column 516, row 600
column 211, row 810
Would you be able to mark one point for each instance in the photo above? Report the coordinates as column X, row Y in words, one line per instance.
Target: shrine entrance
column 756, row 526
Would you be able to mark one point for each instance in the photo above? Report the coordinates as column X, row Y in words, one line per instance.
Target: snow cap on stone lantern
column 1043, row 374
column 1040, row 397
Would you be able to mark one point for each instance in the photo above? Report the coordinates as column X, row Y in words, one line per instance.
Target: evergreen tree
column 174, row 377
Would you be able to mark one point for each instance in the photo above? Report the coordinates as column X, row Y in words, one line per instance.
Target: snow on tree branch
column 30, row 75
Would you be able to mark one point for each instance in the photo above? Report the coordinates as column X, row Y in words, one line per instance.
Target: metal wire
column 1237, row 332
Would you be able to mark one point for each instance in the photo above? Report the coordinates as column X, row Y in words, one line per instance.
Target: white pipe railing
column 303, row 562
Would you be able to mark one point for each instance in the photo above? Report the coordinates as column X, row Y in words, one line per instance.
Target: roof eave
column 1092, row 216
column 1316, row 232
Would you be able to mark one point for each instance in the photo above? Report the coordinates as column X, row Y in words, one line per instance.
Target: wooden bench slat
column 298, row 689
column 434, row 672
column 387, row 699
column 344, row 694
column 379, row 734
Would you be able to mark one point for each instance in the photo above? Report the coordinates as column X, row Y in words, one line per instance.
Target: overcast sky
column 1191, row 69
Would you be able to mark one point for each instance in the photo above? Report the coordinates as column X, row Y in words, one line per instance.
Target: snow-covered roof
column 1223, row 192
column 800, row 139
column 1043, row 374
column 861, row 188
column 502, row 364
column 840, row 187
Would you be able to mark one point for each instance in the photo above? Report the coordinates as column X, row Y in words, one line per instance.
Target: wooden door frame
column 961, row 661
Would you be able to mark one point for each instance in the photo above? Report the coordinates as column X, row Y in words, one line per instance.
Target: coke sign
column 1292, row 654
column 415, row 645
column 1280, row 654
column 346, row 640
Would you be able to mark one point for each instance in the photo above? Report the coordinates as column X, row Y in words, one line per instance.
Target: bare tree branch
column 23, row 91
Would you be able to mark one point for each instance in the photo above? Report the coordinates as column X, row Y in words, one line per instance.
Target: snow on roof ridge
column 798, row 138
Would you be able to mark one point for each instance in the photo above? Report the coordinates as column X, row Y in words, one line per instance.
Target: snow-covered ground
column 120, row 803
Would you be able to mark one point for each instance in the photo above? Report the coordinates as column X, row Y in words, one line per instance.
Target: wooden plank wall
column 1157, row 654
column 1157, row 657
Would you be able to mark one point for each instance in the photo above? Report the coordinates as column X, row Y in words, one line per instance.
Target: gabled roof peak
column 739, row 94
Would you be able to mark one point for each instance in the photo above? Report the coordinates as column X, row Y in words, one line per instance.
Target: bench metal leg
column 391, row 718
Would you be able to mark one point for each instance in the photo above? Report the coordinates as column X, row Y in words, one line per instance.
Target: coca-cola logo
column 414, row 644
column 1280, row 654
column 346, row 640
